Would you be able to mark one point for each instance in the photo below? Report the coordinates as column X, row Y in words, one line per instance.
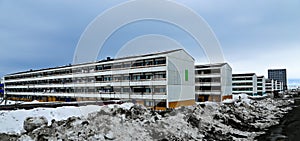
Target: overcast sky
column 255, row 35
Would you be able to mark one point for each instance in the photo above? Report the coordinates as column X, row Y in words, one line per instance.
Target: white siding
column 178, row 88
column 226, row 78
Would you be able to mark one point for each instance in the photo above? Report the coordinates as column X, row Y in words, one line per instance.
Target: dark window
column 107, row 66
column 160, row 61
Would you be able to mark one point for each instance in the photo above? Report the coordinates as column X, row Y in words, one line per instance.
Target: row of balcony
column 94, row 68
column 98, row 90
column 153, row 76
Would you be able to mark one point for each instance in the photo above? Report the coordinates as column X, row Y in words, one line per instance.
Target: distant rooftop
column 244, row 74
column 275, row 69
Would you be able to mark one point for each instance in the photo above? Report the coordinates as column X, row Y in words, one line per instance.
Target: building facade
column 160, row 80
column 279, row 86
column 213, row 82
column 274, row 87
column 270, row 87
column 244, row 83
column 279, row 75
column 261, row 85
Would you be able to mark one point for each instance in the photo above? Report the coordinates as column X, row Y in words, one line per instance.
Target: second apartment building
column 213, row 82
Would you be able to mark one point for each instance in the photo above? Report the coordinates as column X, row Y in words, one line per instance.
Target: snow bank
column 238, row 98
column 12, row 121
column 126, row 106
column 228, row 101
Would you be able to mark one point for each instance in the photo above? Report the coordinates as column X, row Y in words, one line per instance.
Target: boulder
column 110, row 136
column 32, row 123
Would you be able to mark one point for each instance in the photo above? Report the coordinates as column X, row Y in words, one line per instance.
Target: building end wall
column 180, row 77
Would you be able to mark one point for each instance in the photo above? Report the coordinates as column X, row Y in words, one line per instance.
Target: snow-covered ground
column 238, row 119
column 12, row 121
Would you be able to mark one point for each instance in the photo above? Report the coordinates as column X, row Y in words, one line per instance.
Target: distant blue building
column 279, row 75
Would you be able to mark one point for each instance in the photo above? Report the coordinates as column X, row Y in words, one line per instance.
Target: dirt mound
column 199, row 122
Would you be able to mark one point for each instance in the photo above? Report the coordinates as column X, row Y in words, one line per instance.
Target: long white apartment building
column 213, row 82
column 244, row 83
column 164, row 80
column 261, row 85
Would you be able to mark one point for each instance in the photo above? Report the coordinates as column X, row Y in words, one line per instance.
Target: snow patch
column 12, row 121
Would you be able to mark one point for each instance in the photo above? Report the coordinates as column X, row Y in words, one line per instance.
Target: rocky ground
column 241, row 120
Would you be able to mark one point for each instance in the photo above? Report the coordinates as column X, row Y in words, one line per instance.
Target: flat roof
column 244, row 74
column 100, row 61
column 276, row 69
column 211, row 65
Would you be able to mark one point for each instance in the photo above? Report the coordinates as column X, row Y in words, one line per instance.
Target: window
column 214, row 71
column 117, row 78
column 241, row 79
column 160, row 90
column 117, row 65
column 138, row 63
column 243, row 84
column 99, row 78
column 136, row 77
column 209, row 88
column 138, row 90
column 148, row 62
column 107, row 78
column 99, row 67
column 105, row 90
column 160, row 75
column 117, row 89
column 148, row 76
column 92, row 69
column 107, row 67
column 91, row 79
column 147, row 90
column 160, row 61
column 125, row 89
column 149, row 103
column 242, row 89
column 126, row 64
column 126, row 78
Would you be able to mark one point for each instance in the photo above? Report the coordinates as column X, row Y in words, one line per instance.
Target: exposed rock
column 109, row 136
column 8, row 137
column 32, row 123
column 24, row 138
